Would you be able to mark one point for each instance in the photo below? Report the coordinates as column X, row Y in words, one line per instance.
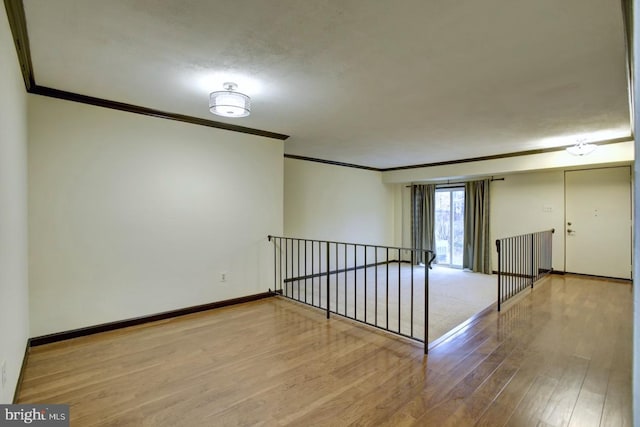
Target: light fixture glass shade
column 229, row 103
column 581, row 149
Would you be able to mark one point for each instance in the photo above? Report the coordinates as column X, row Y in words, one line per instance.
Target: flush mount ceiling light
column 229, row 103
column 581, row 149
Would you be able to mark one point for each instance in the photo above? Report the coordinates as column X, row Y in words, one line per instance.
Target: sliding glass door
column 449, row 226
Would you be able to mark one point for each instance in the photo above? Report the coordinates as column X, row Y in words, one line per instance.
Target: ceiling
column 375, row 83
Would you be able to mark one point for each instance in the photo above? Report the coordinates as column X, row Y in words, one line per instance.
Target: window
column 449, row 226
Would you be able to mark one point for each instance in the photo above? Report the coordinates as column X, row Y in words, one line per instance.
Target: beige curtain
column 423, row 199
column 477, row 245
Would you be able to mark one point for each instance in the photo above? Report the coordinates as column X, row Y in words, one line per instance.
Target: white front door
column 598, row 222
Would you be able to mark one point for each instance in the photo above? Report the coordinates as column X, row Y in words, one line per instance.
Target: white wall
column 403, row 233
column 621, row 153
column 132, row 215
column 635, row 44
column 522, row 203
column 329, row 202
column 14, row 305
column 525, row 203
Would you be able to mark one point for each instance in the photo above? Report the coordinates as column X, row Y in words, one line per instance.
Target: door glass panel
column 449, row 226
column 457, row 219
column 443, row 227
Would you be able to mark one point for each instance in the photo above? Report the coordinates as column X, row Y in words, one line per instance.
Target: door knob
column 569, row 230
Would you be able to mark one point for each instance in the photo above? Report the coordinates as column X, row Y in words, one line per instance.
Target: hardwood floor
column 559, row 356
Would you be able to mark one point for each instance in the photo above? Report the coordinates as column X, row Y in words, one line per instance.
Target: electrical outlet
column 4, row 372
column 223, row 277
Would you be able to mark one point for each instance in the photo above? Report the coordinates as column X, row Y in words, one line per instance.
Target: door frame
column 632, row 225
column 450, row 188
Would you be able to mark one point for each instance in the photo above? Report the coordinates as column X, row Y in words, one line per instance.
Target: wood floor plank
column 563, row 400
column 443, row 409
column 476, row 404
column 617, row 401
column 560, row 355
column 528, row 412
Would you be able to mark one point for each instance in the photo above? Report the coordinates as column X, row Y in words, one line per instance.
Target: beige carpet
column 454, row 297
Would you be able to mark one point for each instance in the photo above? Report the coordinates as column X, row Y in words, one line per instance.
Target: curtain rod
column 458, row 182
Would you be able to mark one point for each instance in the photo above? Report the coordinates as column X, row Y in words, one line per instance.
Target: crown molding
column 331, row 162
column 121, row 106
column 18, row 25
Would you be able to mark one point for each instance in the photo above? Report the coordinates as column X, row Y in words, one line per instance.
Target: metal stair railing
column 372, row 284
column 522, row 261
